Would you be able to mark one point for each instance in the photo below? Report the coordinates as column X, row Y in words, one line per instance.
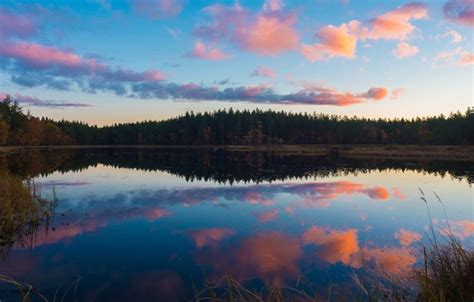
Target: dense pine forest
column 237, row 128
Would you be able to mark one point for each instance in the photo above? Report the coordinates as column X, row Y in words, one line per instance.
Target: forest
column 232, row 127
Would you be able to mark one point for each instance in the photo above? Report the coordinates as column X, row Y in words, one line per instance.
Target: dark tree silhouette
column 18, row 128
column 238, row 128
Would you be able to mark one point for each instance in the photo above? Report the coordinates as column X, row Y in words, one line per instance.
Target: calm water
column 143, row 225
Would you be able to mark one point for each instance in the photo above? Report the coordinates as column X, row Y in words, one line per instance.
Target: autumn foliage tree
column 20, row 129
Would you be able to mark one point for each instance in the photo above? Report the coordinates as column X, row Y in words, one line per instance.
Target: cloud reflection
column 343, row 246
column 407, row 237
column 212, row 236
column 265, row 255
column 95, row 212
column 72, row 224
column 267, row 216
column 334, row 246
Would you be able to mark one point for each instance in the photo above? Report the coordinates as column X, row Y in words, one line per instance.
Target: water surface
column 138, row 225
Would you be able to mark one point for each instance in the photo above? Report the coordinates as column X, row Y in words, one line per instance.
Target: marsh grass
column 230, row 289
column 22, row 211
column 448, row 273
column 66, row 292
column 448, row 268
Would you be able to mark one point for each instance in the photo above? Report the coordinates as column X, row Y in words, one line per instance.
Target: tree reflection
column 218, row 165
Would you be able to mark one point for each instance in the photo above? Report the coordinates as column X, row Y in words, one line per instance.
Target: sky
column 105, row 62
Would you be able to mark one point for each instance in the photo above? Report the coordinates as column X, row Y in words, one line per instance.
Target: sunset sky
column 104, row 61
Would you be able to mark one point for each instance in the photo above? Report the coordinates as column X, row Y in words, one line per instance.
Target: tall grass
column 448, row 269
column 230, row 289
column 22, row 211
column 65, row 292
column 448, row 273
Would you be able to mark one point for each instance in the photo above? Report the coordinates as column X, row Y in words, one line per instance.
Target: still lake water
column 141, row 225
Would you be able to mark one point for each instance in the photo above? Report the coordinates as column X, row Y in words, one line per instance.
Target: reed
column 448, row 267
column 22, row 211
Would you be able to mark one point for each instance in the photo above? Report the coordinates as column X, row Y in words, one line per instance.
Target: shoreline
column 403, row 152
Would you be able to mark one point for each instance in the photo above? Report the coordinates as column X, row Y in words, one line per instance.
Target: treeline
column 270, row 127
column 238, row 128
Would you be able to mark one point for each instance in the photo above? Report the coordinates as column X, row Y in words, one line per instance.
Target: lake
column 160, row 224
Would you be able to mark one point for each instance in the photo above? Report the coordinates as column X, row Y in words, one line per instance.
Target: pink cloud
column 334, row 246
column 157, row 9
column 264, row 71
column 254, row 197
column 268, row 32
column 451, row 33
column 256, row 90
column 223, row 21
column 393, row 25
column 404, row 49
column 406, row 238
column 37, row 55
column 327, row 96
column 267, row 216
column 376, row 93
column 55, row 65
column 466, row 59
column 457, row 57
column 94, row 221
column 12, row 24
column 266, row 255
column 333, row 42
column 38, row 64
column 396, row 93
column 460, row 11
column 320, row 195
column 65, row 233
column 210, row 236
column 36, row 102
column 393, row 260
column 156, row 213
column 272, row 5
column 201, row 51
column 398, row 193
column 463, row 228
column 342, row 41
column 262, row 93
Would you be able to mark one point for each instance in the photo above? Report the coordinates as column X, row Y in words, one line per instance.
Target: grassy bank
column 402, row 152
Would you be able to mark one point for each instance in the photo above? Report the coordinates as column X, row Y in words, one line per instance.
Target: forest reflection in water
column 152, row 223
column 219, row 165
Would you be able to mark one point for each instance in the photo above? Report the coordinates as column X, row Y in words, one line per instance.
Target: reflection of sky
column 138, row 221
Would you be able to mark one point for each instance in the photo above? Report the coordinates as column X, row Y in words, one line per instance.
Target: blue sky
column 118, row 61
